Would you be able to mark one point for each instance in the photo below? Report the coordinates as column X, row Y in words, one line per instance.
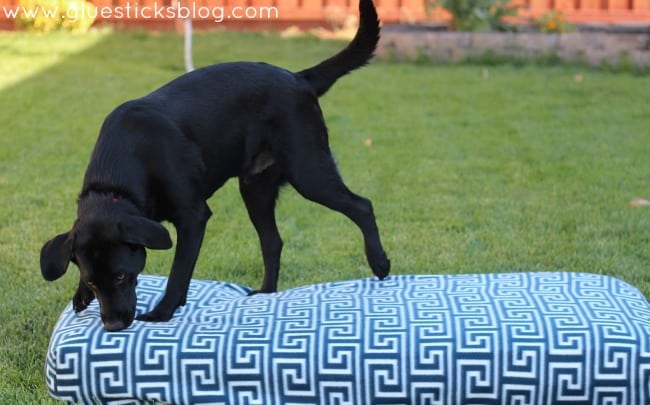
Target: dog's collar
column 110, row 196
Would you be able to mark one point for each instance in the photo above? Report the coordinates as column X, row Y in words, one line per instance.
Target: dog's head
column 108, row 246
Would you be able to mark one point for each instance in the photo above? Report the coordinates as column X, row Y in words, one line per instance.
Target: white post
column 189, row 65
column 187, row 34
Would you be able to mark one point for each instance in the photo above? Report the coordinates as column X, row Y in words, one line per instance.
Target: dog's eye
column 90, row 284
column 119, row 277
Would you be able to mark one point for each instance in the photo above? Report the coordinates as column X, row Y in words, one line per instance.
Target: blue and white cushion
column 520, row 338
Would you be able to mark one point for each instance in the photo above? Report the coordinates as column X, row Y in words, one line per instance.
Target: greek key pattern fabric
column 516, row 338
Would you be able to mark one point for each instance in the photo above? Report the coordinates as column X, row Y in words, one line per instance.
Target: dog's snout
column 119, row 322
column 114, row 325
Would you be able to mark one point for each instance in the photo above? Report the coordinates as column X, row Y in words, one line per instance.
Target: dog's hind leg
column 315, row 176
column 259, row 194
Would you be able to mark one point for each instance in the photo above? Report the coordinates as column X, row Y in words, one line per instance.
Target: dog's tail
column 355, row 55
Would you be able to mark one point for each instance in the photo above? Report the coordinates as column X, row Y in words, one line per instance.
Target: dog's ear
column 145, row 232
column 56, row 255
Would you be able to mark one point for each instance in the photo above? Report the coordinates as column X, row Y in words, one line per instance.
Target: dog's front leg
column 190, row 233
column 82, row 298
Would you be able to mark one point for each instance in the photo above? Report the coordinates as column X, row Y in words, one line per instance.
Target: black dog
column 162, row 156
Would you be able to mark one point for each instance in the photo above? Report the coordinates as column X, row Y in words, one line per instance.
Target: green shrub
column 477, row 15
column 498, row 10
column 554, row 22
column 53, row 15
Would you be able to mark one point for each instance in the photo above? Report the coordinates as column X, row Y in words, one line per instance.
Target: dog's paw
column 255, row 292
column 380, row 267
column 159, row 314
column 81, row 300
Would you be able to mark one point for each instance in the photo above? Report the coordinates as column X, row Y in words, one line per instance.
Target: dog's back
column 319, row 77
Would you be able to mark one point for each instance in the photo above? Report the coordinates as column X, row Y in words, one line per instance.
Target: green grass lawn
column 471, row 169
